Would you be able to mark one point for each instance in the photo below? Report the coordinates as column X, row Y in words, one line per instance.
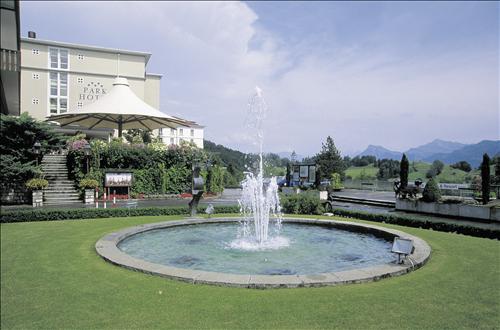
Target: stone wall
column 17, row 194
column 453, row 210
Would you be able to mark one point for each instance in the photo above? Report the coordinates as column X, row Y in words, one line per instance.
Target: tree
column 436, row 169
column 431, row 191
column 387, row 169
column 462, row 165
column 485, row 179
column 496, row 177
column 329, row 159
column 17, row 137
column 403, row 171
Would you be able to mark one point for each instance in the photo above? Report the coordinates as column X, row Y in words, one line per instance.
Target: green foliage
column 431, row 192
column 485, row 179
column 436, row 169
column 403, row 172
column 388, row 169
column 215, row 179
column 303, row 203
column 91, row 213
column 336, row 182
column 17, row 137
column 329, row 159
column 137, row 136
column 37, row 184
column 88, row 184
column 462, row 165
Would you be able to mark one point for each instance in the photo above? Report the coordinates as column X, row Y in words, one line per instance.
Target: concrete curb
column 107, row 248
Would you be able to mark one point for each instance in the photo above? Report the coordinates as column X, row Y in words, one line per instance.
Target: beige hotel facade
column 57, row 77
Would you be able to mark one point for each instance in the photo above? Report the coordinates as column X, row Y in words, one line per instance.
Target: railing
column 9, row 60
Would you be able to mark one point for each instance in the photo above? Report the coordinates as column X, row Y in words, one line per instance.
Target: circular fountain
column 261, row 249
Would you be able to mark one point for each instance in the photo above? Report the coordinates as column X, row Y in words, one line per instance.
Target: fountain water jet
column 260, row 201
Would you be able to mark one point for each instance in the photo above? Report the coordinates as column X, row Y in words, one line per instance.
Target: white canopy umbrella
column 119, row 109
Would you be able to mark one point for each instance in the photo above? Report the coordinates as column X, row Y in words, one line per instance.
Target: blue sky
column 397, row 74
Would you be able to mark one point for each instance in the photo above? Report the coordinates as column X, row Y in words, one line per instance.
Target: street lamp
column 86, row 152
column 36, row 150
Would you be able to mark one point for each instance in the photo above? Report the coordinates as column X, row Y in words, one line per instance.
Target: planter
column 37, row 198
column 89, row 196
column 454, row 210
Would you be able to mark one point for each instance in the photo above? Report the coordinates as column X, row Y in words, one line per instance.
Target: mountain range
column 445, row 151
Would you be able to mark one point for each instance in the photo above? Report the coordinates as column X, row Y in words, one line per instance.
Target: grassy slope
column 417, row 170
column 51, row 277
column 355, row 172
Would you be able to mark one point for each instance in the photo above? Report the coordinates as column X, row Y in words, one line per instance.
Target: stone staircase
column 60, row 191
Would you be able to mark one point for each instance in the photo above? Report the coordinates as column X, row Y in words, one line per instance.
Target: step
column 60, row 189
column 62, row 202
column 61, row 195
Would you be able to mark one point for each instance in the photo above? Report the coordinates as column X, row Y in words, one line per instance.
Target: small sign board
column 454, row 186
column 118, row 180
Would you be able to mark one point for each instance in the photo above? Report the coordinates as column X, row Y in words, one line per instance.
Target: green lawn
column 417, row 170
column 368, row 172
column 51, row 277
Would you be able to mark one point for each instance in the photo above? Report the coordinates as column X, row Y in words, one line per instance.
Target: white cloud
column 212, row 54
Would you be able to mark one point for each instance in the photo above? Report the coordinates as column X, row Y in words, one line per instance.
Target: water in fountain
column 259, row 202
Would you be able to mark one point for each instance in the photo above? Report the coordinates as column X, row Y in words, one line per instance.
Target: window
column 58, row 92
column 171, row 140
column 80, row 56
column 192, row 132
column 191, row 140
column 35, row 51
column 80, row 80
column 36, row 76
column 181, row 131
column 59, row 58
column 34, row 101
column 172, row 131
column 160, row 131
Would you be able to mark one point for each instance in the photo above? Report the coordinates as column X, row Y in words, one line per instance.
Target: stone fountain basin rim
column 107, row 248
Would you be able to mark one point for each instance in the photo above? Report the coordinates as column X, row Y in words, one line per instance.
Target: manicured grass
column 362, row 172
column 51, row 277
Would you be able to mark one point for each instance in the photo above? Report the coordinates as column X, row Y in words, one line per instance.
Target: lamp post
column 86, row 152
column 36, row 150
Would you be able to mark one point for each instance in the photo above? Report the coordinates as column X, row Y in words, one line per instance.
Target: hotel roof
column 87, row 47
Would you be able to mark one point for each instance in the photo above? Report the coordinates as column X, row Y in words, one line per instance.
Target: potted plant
column 36, row 185
column 89, row 186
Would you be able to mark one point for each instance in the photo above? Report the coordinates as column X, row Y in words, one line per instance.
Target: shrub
column 37, row 184
column 336, row 182
column 90, row 213
column 88, row 184
column 303, row 203
column 431, row 192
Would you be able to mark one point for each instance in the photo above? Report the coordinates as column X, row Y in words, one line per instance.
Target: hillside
column 473, row 154
column 435, row 147
column 417, row 171
column 381, row 153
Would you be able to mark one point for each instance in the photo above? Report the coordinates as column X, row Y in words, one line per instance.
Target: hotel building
column 57, row 77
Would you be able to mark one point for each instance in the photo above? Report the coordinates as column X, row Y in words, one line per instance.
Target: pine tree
column 329, row 159
column 403, row 173
column 485, row 178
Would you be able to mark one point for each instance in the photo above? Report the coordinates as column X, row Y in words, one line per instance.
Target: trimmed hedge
column 408, row 221
column 91, row 213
